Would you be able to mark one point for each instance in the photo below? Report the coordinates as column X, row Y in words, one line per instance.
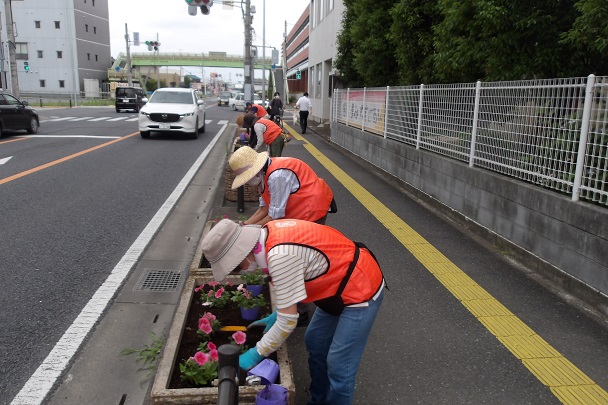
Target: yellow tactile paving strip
column 569, row 384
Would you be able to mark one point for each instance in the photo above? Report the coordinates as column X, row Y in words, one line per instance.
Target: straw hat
column 245, row 162
column 227, row 244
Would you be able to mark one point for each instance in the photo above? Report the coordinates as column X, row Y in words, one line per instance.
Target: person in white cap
column 313, row 263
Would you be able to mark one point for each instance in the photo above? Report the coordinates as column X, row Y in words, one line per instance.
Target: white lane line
column 62, row 119
column 40, row 383
column 222, row 122
column 99, row 119
column 132, row 119
column 118, row 119
column 70, row 136
column 81, row 119
column 207, row 121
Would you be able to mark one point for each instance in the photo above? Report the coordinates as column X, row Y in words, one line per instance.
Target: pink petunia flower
column 240, row 287
column 239, row 337
column 214, row 355
column 229, row 283
column 246, row 293
column 213, row 284
column 210, row 293
column 210, row 316
column 265, row 270
column 205, row 326
column 218, row 293
column 257, row 248
column 211, row 346
column 201, row 358
column 200, row 287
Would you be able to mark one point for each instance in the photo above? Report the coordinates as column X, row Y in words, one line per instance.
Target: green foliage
column 269, row 89
column 246, row 300
column 256, row 277
column 146, row 355
column 197, row 374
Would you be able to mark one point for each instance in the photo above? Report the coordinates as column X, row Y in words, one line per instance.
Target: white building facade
column 64, row 42
column 325, row 24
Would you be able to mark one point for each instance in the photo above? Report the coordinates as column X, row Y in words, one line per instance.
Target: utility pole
column 285, row 82
column 249, row 69
column 263, row 52
column 11, row 47
column 157, row 66
column 129, row 77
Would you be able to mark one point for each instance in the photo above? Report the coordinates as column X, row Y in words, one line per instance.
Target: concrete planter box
column 162, row 395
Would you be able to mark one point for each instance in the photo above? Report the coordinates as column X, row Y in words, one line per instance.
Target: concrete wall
column 564, row 240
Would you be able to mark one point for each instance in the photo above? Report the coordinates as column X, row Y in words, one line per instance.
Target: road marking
column 6, row 159
column 207, row 121
column 40, row 383
column 99, row 119
column 81, row 119
column 117, row 119
column 13, row 140
column 133, row 119
column 72, row 136
column 569, row 384
column 61, row 119
column 63, row 159
column 223, row 122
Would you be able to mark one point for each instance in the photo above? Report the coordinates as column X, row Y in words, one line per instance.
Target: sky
column 222, row 30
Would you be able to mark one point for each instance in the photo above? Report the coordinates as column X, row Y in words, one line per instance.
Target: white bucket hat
column 245, row 162
column 227, row 244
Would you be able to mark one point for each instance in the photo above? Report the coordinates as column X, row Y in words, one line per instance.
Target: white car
column 237, row 101
column 173, row 110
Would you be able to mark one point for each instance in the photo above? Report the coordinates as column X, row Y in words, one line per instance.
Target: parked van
column 129, row 98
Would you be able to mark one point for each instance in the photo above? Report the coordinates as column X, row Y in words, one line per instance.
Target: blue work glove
column 250, row 359
column 268, row 322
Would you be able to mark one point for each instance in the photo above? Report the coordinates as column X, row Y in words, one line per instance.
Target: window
column 39, row 54
column 57, row 24
column 59, row 54
column 313, row 13
column 318, row 90
column 61, row 83
column 331, row 5
column 42, row 83
column 37, row 24
column 321, row 10
column 94, row 30
column 88, row 56
column 86, row 27
column 21, row 50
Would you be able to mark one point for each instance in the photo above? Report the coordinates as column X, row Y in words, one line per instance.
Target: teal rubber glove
column 250, row 359
column 268, row 322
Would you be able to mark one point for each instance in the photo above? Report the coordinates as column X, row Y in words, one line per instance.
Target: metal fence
column 551, row 133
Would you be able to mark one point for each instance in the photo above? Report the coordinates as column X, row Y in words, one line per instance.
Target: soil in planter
column 228, row 316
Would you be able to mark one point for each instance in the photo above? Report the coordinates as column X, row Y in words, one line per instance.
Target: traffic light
column 298, row 74
column 26, row 66
column 204, row 5
column 153, row 45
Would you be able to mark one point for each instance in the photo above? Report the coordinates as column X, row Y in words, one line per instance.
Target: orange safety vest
column 261, row 110
column 365, row 280
column 272, row 130
column 311, row 201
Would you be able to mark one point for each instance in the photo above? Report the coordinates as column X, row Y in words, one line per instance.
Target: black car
column 16, row 114
column 129, row 98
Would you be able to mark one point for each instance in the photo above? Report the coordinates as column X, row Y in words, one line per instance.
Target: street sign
column 136, row 38
column 117, row 68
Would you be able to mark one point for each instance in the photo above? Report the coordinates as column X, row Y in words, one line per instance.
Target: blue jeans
column 335, row 345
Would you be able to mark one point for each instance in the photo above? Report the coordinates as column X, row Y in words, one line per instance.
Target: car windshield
column 171, row 97
column 225, row 94
column 257, row 98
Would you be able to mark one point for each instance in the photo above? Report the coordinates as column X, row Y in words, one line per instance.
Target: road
column 74, row 198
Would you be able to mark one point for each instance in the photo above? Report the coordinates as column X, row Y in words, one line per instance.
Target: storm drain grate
column 158, row 280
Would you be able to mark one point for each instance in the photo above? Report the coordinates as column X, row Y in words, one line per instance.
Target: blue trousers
column 335, row 345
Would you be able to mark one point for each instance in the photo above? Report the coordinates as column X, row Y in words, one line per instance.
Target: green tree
column 364, row 44
column 588, row 38
column 411, row 33
column 187, row 81
column 269, row 89
column 150, row 84
column 501, row 39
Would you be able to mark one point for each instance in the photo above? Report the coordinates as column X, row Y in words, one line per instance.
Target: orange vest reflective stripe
column 339, row 251
column 311, row 201
column 272, row 130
